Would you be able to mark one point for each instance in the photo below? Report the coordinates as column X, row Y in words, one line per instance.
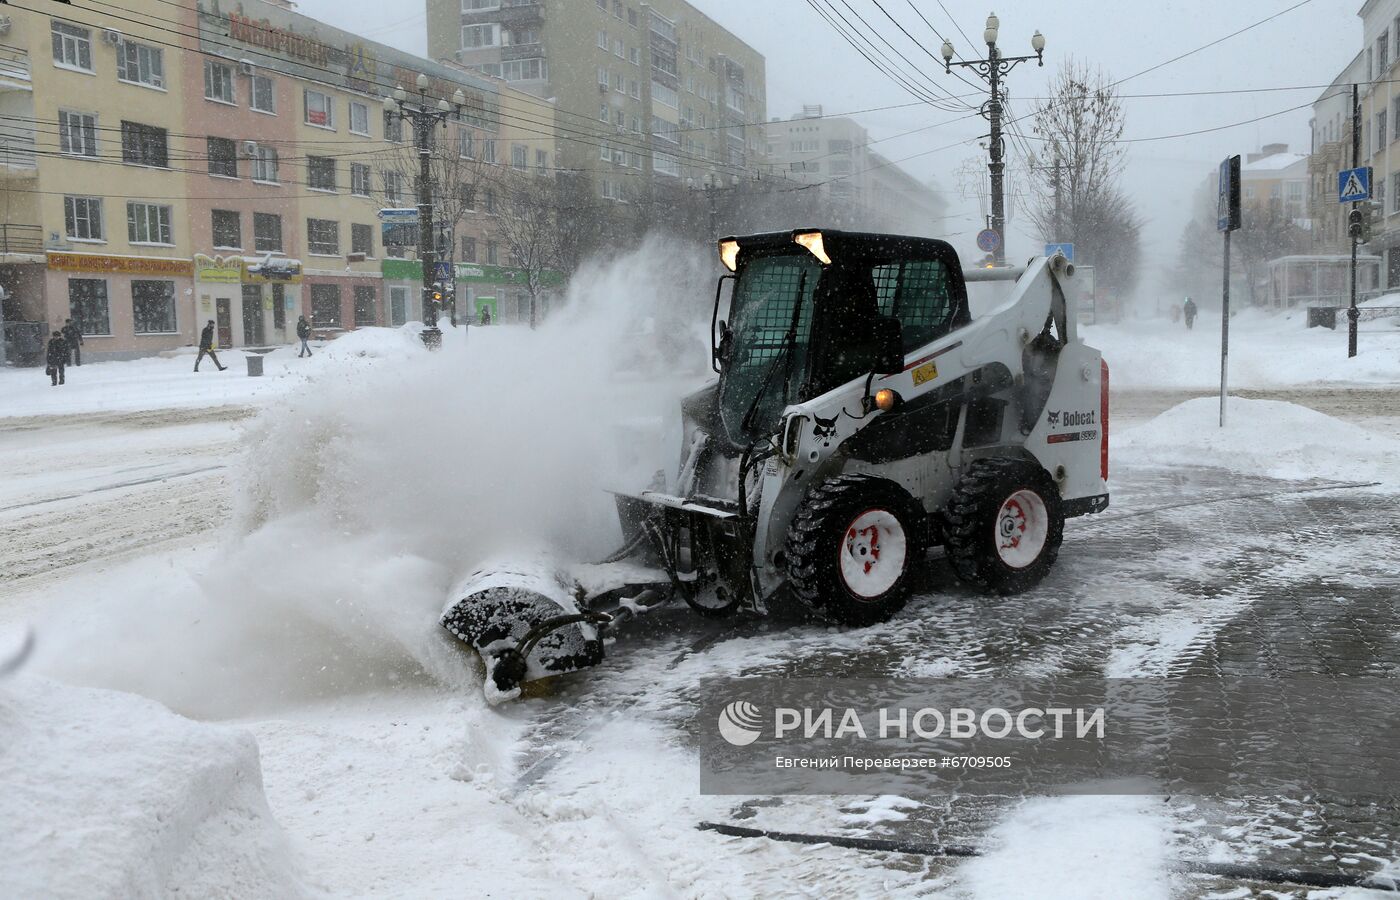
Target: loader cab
column 812, row 310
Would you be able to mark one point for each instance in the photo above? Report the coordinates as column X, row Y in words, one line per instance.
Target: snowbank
column 1077, row 848
column 108, row 795
column 1267, row 350
column 1262, row 437
column 366, row 495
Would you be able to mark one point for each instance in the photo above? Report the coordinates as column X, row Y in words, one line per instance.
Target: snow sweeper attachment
column 861, row 417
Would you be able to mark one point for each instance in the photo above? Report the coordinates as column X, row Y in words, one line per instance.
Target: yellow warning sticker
column 925, row 373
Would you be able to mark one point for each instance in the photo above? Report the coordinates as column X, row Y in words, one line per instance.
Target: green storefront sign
column 467, row 273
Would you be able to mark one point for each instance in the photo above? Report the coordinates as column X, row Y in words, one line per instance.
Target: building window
column 323, row 237
column 489, row 201
column 223, row 157
column 664, row 94
column 1380, row 131
column 519, row 156
column 320, row 173
column 492, row 254
column 82, row 218
column 263, row 98
column 466, row 195
column 77, row 133
column 393, row 127
column 393, row 188
column 148, row 223
column 267, row 232
column 153, row 307
column 359, row 118
column 364, row 305
column 228, row 229
column 359, row 179
column 279, row 306
column 532, row 69
column 265, row 163
column 140, row 64
column 362, row 239
column 466, row 144
column 87, row 305
column 1383, row 52
column 541, row 160
column 144, row 145
column 72, row 47
column 469, row 249
column 325, row 305
column 476, row 36
column 218, row 81
column 488, row 151
column 320, row 109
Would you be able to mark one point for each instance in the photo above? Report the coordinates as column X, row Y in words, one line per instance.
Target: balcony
column 14, row 69
column 18, row 154
column 21, row 238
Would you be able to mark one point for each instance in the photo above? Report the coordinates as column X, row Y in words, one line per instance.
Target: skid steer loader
column 860, row 416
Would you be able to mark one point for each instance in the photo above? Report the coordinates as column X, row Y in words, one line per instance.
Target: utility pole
column 424, row 118
column 992, row 70
column 1353, row 314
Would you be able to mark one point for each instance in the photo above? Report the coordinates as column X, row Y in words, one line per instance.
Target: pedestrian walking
column 206, row 347
column 1189, row 309
column 304, row 334
column 486, row 315
column 56, row 358
column 74, row 336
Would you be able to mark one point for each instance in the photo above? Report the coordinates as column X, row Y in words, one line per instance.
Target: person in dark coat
column 74, row 336
column 304, row 335
column 56, row 357
column 1190, row 311
column 206, row 347
column 485, row 315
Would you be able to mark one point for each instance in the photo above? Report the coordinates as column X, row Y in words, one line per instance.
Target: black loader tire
column 973, row 518
column 825, row 553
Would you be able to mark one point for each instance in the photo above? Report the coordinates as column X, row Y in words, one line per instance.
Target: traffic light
column 989, row 261
column 1374, row 219
column 1356, row 224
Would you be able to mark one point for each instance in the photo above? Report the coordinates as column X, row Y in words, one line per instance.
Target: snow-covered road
column 159, row 552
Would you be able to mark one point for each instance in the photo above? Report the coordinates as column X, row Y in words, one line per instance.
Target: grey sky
column 808, row 63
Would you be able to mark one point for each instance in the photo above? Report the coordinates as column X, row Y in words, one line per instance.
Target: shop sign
column 218, row 269
column 119, row 265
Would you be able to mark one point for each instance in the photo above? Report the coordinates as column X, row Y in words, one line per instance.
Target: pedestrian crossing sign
column 1354, row 185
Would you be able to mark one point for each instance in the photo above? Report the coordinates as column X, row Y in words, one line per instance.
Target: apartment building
column 168, row 165
column 1331, row 153
column 644, row 90
column 867, row 190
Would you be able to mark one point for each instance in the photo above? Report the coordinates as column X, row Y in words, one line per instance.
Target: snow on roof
column 1275, row 162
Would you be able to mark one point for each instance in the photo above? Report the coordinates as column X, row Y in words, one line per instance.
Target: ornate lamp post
column 992, row 70
column 424, row 117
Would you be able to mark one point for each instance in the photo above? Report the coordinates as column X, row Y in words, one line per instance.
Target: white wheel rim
column 1022, row 526
column 872, row 553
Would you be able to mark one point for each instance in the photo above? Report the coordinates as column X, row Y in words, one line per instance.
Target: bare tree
column 1078, row 172
column 460, row 173
column 527, row 222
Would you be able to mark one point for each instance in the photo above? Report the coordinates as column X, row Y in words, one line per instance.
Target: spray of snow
column 366, row 495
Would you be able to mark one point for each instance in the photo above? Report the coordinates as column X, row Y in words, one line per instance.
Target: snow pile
column 365, row 496
column 108, row 795
column 1077, row 848
column 1267, row 350
column 1261, row 437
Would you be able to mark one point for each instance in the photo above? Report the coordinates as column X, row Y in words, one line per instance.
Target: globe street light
column 992, row 70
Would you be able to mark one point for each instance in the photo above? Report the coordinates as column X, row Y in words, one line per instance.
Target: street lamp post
column 424, row 117
column 992, row 70
column 712, row 188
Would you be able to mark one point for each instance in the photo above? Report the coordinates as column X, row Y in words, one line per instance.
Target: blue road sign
column 442, row 271
column 988, row 240
column 1066, row 248
column 400, row 216
column 1354, row 185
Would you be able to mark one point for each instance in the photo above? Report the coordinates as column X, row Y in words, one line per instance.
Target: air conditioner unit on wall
column 112, row 37
column 246, row 67
column 250, row 148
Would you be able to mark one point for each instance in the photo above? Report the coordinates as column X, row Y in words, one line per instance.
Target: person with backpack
column 304, row 335
column 206, row 347
column 56, row 358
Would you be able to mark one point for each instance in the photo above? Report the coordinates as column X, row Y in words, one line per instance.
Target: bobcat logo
column 1054, row 416
column 824, row 429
